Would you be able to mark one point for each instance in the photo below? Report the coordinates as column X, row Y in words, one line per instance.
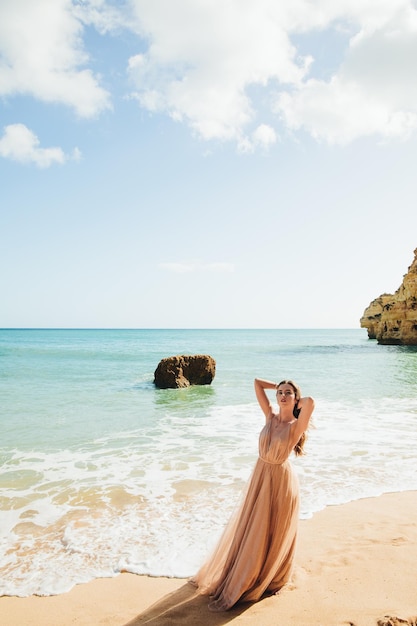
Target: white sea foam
column 153, row 501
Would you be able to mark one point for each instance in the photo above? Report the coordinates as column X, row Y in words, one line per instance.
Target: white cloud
column 102, row 14
column 203, row 58
column 264, row 135
column 22, row 145
column 374, row 91
column 42, row 54
column 197, row 266
column 229, row 70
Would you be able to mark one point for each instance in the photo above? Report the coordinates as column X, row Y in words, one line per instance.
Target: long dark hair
column 299, row 446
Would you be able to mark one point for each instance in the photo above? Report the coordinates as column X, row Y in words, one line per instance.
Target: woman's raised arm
column 264, row 401
column 306, row 407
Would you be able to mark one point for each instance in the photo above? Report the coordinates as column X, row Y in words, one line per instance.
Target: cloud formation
column 22, row 145
column 231, row 71
column 203, row 58
column 374, row 91
column 42, row 54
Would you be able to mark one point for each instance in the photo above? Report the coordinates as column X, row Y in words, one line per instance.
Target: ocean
column 103, row 473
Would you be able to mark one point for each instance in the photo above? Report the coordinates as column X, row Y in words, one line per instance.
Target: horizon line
column 179, row 328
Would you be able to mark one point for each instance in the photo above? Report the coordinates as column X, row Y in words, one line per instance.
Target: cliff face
column 392, row 319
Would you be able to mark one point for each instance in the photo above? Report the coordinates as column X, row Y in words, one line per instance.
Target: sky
column 205, row 163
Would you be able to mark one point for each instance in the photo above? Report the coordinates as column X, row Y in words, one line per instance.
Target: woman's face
column 286, row 395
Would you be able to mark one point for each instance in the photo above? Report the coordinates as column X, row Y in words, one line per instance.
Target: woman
column 256, row 552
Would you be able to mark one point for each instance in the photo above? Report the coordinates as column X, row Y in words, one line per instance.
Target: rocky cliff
column 392, row 319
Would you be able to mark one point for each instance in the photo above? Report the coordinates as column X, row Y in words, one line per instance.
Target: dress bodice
column 274, row 444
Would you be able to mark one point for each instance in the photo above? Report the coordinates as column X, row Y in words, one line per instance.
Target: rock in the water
column 183, row 371
column 392, row 319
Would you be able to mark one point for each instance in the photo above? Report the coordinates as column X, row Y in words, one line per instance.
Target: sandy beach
column 355, row 565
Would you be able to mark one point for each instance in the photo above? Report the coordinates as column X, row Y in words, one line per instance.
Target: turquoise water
column 101, row 472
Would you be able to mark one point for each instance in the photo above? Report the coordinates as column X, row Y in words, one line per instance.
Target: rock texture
column 392, row 319
column 183, row 371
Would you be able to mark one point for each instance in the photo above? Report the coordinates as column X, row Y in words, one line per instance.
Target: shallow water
column 101, row 472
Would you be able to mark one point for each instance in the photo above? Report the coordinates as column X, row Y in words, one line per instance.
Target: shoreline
column 355, row 564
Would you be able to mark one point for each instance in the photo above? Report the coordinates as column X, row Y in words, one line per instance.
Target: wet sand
column 355, row 565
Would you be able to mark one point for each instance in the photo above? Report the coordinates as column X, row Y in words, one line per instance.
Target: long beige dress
column 256, row 551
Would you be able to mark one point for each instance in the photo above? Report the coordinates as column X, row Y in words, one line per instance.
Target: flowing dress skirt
column 256, row 551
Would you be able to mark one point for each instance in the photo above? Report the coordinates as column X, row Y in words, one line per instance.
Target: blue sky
column 222, row 164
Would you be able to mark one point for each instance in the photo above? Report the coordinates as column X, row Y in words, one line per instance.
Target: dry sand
column 356, row 564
